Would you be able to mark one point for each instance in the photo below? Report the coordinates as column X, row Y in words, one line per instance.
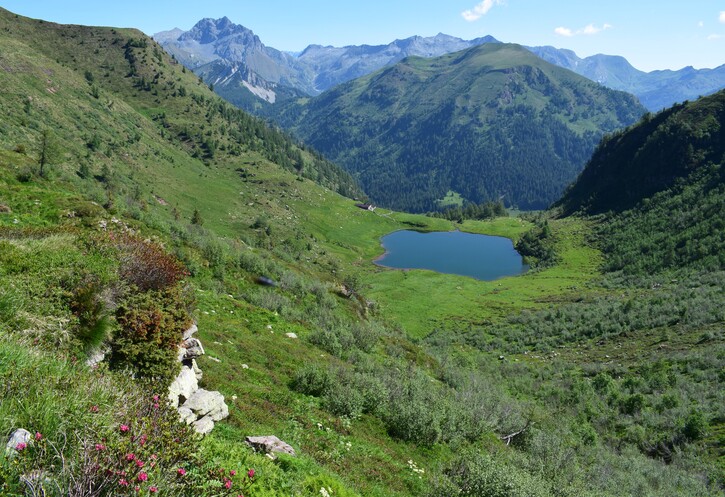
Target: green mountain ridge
column 133, row 200
column 490, row 122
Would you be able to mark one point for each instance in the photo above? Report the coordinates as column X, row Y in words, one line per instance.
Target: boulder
column 290, row 335
column 184, row 385
column 193, row 348
column 203, row 425
column 270, row 445
column 207, row 403
column 19, row 436
column 188, row 333
column 186, row 415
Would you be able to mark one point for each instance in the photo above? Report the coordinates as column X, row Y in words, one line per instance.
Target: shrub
column 150, row 329
column 311, row 380
column 146, row 264
column 474, row 474
column 344, row 399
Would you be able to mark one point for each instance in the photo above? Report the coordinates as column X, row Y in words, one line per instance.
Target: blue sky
column 651, row 34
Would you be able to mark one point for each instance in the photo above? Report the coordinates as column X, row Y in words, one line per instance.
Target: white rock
column 184, row 385
column 19, row 436
column 197, row 370
column 188, row 333
column 205, row 402
column 290, row 335
column 203, row 425
column 186, row 415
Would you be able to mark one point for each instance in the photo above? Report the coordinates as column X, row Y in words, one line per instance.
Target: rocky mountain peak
column 211, row 30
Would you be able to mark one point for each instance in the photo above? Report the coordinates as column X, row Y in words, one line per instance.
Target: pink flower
column 21, row 446
column 123, row 482
column 153, row 490
column 94, row 408
column 227, row 484
column 250, row 473
column 156, row 405
column 123, row 428
column 137, row 488
column 100, row 447
column 139, row 463
column 156, row 398
column 143, row 439
column 232, row 472
column 38, row 436
column 143, row 476
column 130, row 457
column 181, row 471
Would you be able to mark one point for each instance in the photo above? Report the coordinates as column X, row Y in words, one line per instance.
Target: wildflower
column 139, row 463
column 153, row 490
column 227, row 484
column 181, row 471
column 38, row 436
column 94, row 408
column 156, row 405
column 123, row 428
column 137, row 488
column 324, row 492
column 130, row 457
column 232, row 472
column 100, row 447
column 156, row 398
column 250, row 473
column 143, row 439
column 123, row 482
column 21, row 446
column 143, row 476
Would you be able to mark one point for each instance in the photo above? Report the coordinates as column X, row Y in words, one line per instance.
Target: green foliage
column 150, row 325
column 474, row 474
column 88, row 305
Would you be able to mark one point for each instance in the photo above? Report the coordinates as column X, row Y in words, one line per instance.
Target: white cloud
column 480, row 10
column 714, row 37
column 722, row 16
column 589, row 29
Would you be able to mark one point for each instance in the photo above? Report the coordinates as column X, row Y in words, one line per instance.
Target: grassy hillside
column 490, row 122
column 419, row 384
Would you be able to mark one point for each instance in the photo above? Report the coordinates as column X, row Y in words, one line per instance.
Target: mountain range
column 487, row 123
column 248, row 73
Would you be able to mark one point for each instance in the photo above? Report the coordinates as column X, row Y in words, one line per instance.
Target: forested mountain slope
column 490, row 122
column 652, row 156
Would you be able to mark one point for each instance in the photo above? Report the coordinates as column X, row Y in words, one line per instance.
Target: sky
column 651, row 34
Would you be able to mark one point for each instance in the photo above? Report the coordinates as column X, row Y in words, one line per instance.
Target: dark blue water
column 453, row 252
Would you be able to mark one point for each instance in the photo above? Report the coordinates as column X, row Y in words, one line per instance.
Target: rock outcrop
column 196, row 406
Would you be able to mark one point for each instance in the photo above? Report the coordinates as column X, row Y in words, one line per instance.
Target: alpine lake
column 482, row 257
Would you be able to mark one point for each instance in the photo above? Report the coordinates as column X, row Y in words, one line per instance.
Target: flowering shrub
column 142, row 454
